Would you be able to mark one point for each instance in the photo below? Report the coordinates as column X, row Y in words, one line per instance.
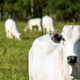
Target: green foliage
column 38, row 6
column 64, row 10
column 60, row 10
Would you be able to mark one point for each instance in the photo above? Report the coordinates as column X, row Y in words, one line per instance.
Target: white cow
column 47, row 24
column 56, row 57
column 11, row 30
column 32, row 23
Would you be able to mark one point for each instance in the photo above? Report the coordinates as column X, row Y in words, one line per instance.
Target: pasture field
column 14, row 53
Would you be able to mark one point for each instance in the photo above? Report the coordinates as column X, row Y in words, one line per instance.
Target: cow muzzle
column 72, row 59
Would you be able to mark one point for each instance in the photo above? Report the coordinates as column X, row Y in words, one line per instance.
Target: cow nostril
column 75, row 59
column 72, row 59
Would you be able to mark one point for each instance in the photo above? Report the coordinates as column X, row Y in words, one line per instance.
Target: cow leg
column 10, row 35
column 7, row 34
column 39, row 28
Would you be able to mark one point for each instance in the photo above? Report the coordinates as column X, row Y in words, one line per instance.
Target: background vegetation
column 60, row 10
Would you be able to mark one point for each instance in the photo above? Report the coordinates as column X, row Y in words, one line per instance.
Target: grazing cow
column 32, row 23
column 57, row 56
column 11, row 30
column 47, row 24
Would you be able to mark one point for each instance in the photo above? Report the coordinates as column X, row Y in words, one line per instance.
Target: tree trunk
column 32, row 9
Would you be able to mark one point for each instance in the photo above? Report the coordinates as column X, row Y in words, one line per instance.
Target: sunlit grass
column 14, row 53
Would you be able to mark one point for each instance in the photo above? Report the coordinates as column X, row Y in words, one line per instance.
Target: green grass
column 60, row 25
column 14, row 53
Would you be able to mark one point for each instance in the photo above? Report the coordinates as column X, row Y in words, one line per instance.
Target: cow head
column 70, row 41
column 18, row 36
column 71, row 44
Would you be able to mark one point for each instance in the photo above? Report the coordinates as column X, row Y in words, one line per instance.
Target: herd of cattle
column 53, row 56
column 45, row 24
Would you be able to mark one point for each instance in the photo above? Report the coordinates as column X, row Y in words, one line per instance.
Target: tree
column 64, row 10
column 38, row 7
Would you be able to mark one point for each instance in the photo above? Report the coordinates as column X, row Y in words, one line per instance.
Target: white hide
column 48, row 60
column 33, row 22
column 71, row 46
column 11, row 29
column 47, row 24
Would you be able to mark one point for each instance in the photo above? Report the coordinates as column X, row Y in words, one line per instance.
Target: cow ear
column 57, row 38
